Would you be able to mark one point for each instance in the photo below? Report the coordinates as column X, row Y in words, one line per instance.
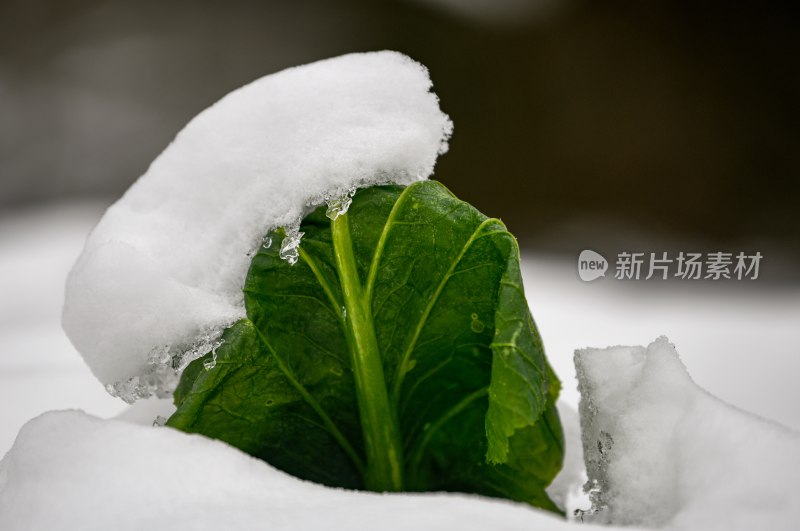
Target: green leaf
column 398, row 353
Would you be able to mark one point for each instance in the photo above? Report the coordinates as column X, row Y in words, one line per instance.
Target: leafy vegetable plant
column 397, row 354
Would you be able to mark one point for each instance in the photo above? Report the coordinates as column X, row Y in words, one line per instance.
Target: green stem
column 378, row 421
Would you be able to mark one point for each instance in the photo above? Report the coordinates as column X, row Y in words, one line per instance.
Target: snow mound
column 660, row 451
column 70, row 471
column 161, row 274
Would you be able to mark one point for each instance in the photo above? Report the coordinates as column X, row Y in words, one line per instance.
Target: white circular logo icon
column 591, row 265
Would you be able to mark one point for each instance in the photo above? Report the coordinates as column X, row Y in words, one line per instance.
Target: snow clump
column 662, row 452
column 162, row 273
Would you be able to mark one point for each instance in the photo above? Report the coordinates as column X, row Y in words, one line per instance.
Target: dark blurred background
column 660, row 125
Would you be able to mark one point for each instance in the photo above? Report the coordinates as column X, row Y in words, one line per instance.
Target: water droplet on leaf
column 212, row 361
column 475, row 324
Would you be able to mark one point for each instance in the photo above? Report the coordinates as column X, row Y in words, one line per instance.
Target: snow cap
column 162, row 273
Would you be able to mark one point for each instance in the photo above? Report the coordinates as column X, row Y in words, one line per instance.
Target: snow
column 162, row 272
column 754, row 368
column 68, row 470
column 661, row 451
